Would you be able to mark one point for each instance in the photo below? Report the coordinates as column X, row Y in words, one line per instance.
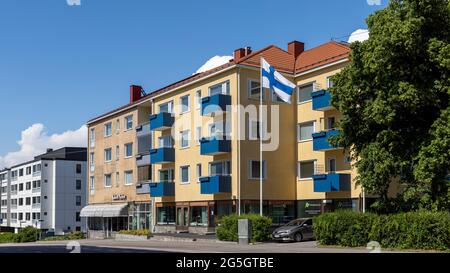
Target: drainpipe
column 239, row 138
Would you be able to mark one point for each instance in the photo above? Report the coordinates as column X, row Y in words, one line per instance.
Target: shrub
column 7, row 237
column 75, row 235
column 137, row 232
column 28, row 234
column 419, row 230
column 228, row 227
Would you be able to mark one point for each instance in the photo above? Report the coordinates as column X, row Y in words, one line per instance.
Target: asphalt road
column 63, row 249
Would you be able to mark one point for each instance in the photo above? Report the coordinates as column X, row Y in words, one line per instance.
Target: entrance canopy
column 116, row 210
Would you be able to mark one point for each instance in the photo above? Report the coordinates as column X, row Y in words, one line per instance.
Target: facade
column 47, row 192
column 203, row 161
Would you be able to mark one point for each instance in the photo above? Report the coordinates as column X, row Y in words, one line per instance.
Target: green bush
column 7, row 237
column 411, row 230
column 137, row 232
column 75, row 235
column 28, row 234
column 228, row 227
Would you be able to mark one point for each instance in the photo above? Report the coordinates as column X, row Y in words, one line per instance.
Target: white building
column 47, row 193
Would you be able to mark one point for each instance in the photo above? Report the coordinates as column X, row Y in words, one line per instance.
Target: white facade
column 4, row 198
column 47, row 194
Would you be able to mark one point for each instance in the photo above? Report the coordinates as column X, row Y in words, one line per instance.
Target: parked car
column 296, row 230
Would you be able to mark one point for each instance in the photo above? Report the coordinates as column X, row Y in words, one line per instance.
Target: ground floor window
column 108, row 223
column 224, row 210
column 309, row 208
column 140, row 216
column 165, row 215
column 199, row 216
column 281, row 213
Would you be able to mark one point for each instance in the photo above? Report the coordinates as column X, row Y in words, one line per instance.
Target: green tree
column 394, row 98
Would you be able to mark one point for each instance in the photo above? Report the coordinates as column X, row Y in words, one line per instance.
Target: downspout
column 239, row 138
column 152, row 199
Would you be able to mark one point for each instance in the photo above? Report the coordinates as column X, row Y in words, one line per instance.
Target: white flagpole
column 260, row 143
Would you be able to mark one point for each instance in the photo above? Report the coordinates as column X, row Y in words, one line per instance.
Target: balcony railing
column 162, row 155
column 143, row 187
column 215, row 184
column 216, row 103
column 142, row 160
column 162, row 189
column 321, row 100
column 161, row 121
column 331, row 182
column 214, row 146
column 321, row 140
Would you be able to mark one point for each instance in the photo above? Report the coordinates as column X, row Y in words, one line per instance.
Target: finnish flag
column 275, row 81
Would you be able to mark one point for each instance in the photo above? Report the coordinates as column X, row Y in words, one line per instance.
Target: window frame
column 125, row 173
column 188, row 167
column 127, row 122
column 188, row 108
column 250, row 170
column 312, row 83
column 299, row 125
column 249, row 89
column 299, row 178
column 105, row 129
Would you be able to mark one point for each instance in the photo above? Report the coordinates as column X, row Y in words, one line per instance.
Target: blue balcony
column 213, row 146
column 143, row 130
column 332, row 182
column 142, row 160
column 161, row 121
column 321, row 140
column 162, row 155
column 143, row 188
column 162, row 189
column 215, row 184
column 216, row 103
column 321, row 100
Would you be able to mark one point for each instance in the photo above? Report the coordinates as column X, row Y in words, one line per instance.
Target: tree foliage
column 394, row 98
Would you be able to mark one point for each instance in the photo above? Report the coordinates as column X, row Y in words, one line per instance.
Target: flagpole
column 260, row 142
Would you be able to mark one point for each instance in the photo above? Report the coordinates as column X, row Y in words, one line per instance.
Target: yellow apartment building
column 179, row 158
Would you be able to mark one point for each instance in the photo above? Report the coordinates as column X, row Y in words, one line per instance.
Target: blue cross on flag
column 275, row 81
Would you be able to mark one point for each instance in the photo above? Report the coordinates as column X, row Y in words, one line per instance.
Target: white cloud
column 35, row 141
column 214, row 62
column 359, row 35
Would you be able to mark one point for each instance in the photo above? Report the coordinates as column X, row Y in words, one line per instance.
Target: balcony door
column 165, row 142
column 219, row 168
column 182, row 218
column 166, row 176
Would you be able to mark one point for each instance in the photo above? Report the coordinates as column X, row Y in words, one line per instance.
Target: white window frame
column 92, row 183
column 110, row 149
column 188, row 108
column 105, row 130
column 92, row 161
column 117, row 152
column 313, row 83
column 249, row 89
column 126, row 123
column 125, row 148
column 252, row 134
column 328, row 164
column 329, row 82
column 198, row 168
column 117, row 126
column 198, row 134
column 104, row 180
column 249, row 169
column 188, row 132
column 125, row 174
column 188, row 167
column 304, row 123
column 299, row 172
column 171, row 174
column 225, row 88
column 169, row 107
column 223, row 162
column 162, row 138
column 92, row 137
column 198, row 99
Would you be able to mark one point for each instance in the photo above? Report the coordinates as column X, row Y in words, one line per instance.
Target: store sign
column 118, row 197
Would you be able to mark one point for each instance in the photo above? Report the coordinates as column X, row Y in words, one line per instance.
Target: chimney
column 49, row 150
column 135, row 93
column 242, row 52
column 296, row 48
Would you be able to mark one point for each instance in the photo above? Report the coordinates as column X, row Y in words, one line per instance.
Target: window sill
column 184, row 148
column 185, row 183
column 304, row 179
column 304, row 102
column 305, row 140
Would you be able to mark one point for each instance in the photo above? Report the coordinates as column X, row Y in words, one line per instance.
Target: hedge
column 137, row 232
column 28, row 234
column 76, row 235
column 228, row 227
column 410, row 230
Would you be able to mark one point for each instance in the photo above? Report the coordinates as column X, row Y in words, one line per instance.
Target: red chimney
column 296, row 48
column 241, row 53
column 135, row 93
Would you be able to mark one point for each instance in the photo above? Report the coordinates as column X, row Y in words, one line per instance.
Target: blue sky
column 61, row 65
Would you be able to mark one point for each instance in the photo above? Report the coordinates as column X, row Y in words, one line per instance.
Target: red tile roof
column 280, row 59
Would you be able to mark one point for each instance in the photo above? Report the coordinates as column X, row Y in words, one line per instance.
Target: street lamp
column 36, row 222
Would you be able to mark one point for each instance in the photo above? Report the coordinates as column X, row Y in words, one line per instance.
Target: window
column 20, row 201
column 77, row 200
column 331, row 123
column 28, row 186
column 198, row 99
column 108, row 129
column 108, row 155
column 36, row 184
column 92, row 184
column 28, row 172
column 36, row 168
column 91, row 162
column 78, row 184
column 20, row 216
column 304, row 92
column 128, row 177
column 28, row 201
column 184, row 174
column 254, row 90
column 184, row 139
column 184, row 104
column 92, row 137
column 78, row 168
column 165, row 215
column 117, row 179
column 329, row 82
column 199, row 170
column 254, row 169
column 129, row 150
column 27, row 216
column 305, row 131
column 165, row 142
column 108, row 180
column 21, row 187
column 347, row 159
column 117, row 152
column 199, row 216
column 36, row 200
column 331, row 168
column 166, row 107
column 117, row 126
column 306, row 169
column 20, row 172
column 221, row 88
column 13, row 202
column 77, row 217
column 166, row 175
column 219, row 168
column 254, row 130
column 198, row 134
column 129, row 122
